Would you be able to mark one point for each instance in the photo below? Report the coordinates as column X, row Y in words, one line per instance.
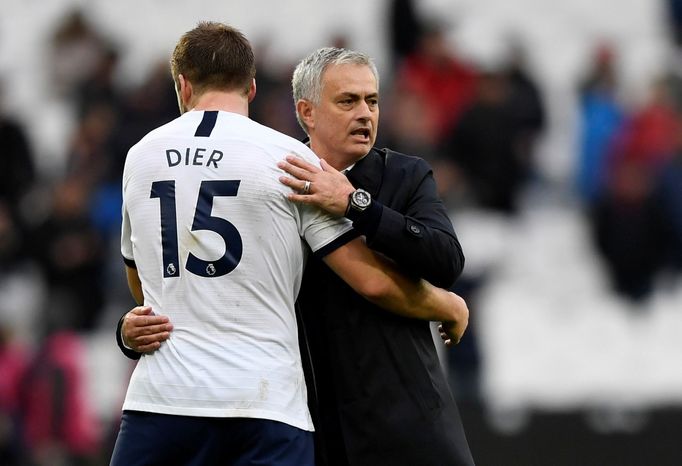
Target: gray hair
column 306, row 82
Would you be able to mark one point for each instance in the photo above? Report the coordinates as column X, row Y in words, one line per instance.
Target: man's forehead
column 349, row 78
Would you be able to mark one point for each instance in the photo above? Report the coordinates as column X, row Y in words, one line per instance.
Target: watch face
column 361, row 198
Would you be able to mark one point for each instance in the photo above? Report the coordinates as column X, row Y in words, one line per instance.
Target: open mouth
column 363, row 132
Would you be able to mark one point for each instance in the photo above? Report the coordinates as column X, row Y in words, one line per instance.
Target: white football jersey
column 218, row 248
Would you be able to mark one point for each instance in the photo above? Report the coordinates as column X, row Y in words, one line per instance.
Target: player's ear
column 186, row 90
column 252, row 90
column 304, row 108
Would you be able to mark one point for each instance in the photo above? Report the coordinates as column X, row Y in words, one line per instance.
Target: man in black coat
column 378, row 393
column 382, row 397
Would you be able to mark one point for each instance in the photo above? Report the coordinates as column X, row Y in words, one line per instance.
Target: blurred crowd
column 478, row 126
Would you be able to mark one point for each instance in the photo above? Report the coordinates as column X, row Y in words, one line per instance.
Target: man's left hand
column 329, row 188
column 452, row 331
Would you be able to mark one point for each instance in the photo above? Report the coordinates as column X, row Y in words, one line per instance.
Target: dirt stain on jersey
column 263, row 390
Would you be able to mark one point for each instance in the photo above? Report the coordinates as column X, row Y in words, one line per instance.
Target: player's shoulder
column 278, row 136
column 285, row 142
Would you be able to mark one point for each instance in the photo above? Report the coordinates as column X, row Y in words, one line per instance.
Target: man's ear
column 252, row 90
column 306, row 112
column 186, row 91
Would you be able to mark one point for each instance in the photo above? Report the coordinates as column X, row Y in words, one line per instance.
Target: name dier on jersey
column 174, row 157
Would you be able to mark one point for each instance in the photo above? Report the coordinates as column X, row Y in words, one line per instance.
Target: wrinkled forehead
column 349, row 78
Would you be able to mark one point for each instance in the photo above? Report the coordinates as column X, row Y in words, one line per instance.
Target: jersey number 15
column 203, row 220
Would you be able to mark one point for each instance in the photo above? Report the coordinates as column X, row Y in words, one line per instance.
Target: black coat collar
column 368, row 172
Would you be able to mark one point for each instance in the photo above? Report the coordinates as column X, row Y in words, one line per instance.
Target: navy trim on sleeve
column 336, row 244
column 130, row 263
column 130, row 354
column 207, row 124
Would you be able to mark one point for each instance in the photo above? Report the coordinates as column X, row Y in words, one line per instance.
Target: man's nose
column 364, row 111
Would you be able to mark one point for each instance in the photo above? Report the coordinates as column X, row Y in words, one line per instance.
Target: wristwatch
column 358, row 201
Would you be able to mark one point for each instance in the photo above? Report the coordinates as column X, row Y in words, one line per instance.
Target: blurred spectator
column 93, row 161
column 404, row 29
column 77, row 51
column 403, row 132
column 674, row 11
column 59, row 427
column 487, row 148
column 17, row 175
column 338, row 40
column 13, row 362
column 669, row 195
column 272, row 105
column 150, row 105
column 630, row 229
column 99, row 88
column 526, row 105
column 601, row 119
column 70, row 253
column 433, row 83
column 90, row 157
column 436, row 75
column 672, row 80
column 650, row 134
column 464, row 364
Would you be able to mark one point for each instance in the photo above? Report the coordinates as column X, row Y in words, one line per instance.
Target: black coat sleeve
column 412, row 226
